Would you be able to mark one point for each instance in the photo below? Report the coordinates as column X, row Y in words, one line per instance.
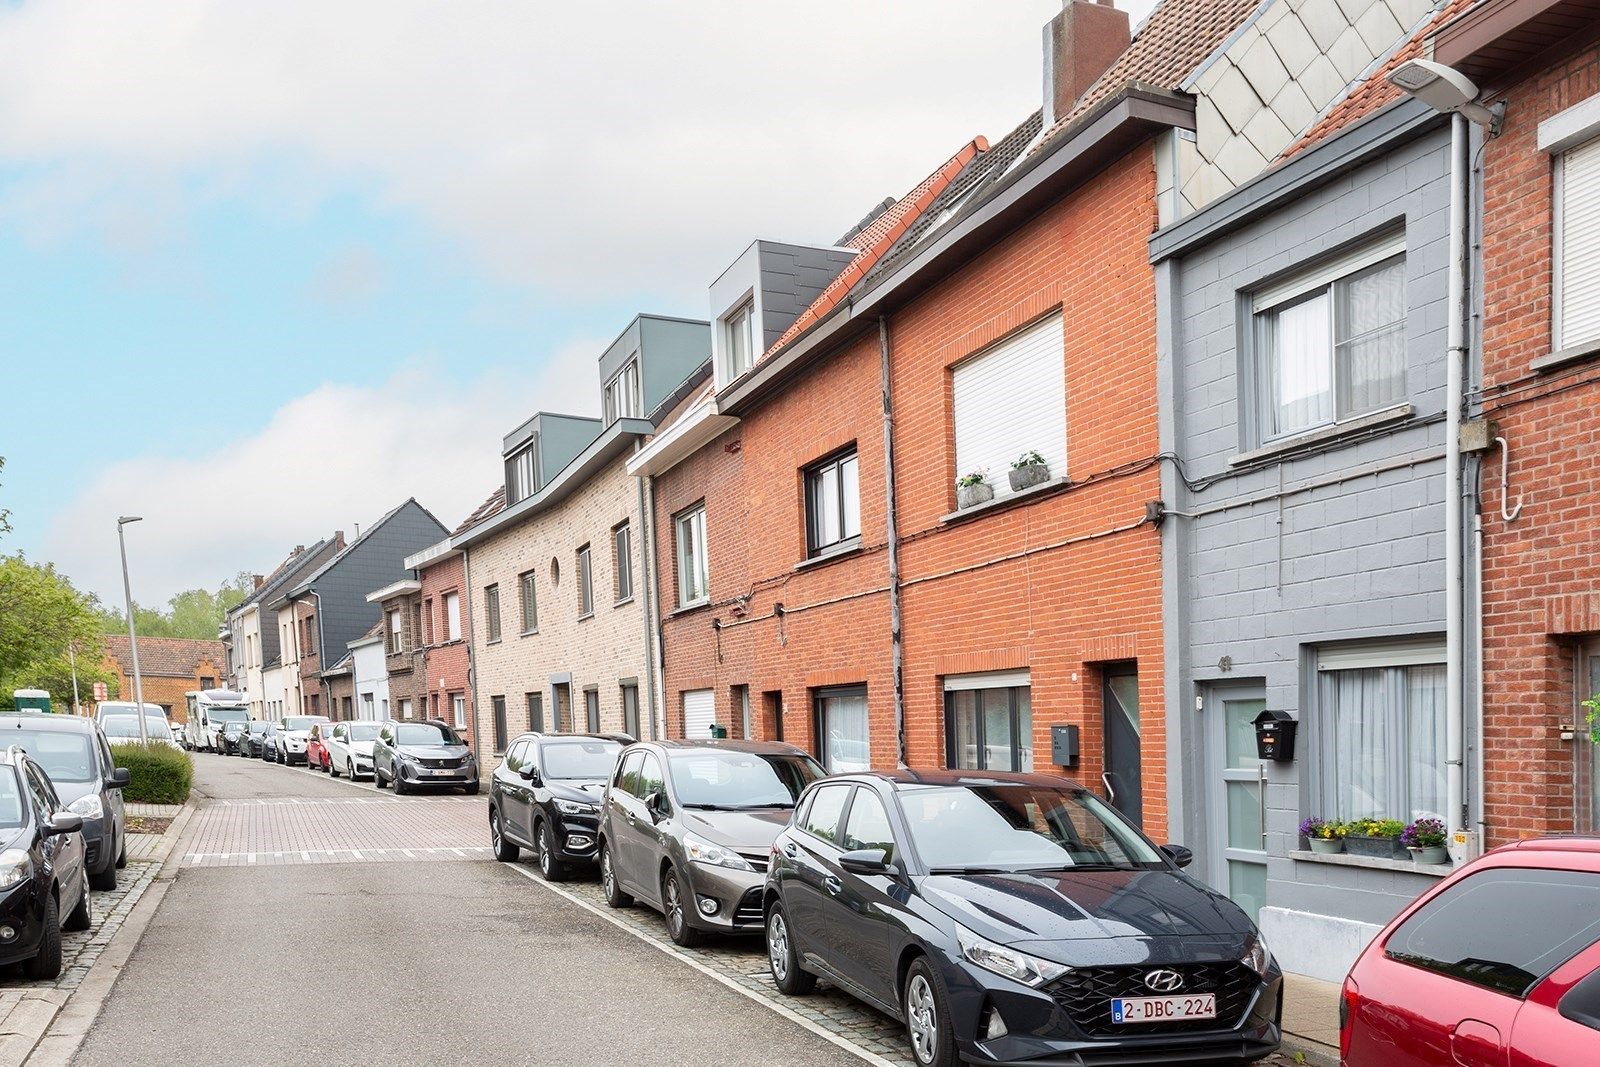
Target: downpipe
column 1456, row 350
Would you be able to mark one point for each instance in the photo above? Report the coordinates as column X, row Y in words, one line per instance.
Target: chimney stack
column 1079, row 45
column 338, row 540
column 260, row 580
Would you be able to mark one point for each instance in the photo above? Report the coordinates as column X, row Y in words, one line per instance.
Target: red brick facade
column 444, row 671
column 313, row 693
column 1542, row 570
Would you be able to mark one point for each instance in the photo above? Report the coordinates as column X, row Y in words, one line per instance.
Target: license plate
column 442, row 773
column 1164, row 1009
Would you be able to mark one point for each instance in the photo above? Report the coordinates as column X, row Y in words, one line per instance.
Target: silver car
column 687, row 826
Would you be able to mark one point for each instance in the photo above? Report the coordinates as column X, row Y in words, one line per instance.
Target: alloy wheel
column 922, row 1019
column 778, row 945
column 494, row 829
column 608, row 879
column 674, row 904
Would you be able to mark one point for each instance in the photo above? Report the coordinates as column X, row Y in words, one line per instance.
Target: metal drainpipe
column 472, row 659
column 1456, row 349
column 896, row 637
column 647, row 590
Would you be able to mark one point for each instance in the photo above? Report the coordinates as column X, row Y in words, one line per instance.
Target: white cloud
column 578, row 147
column 333, row 458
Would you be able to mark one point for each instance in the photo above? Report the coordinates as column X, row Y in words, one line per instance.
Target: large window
column 739, row 341
column 622, row 562
column 521, row 472
column 694, row 580
column 989, row 723
column 1331, row 344
column 585, row 583
column 491, row 611
column 833, row 504
column 621, row 399
column 1577, row 271
column 530, row 603
column 1381, row 731
column 1011, row 400
column 842, row 735
column 452, row 616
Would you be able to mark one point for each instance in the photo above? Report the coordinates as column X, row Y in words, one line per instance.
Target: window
column 741, row 708
column 585, row 584
column 491, row 612
column 530, row 603
column 536, row 712
column 1577, row 247
column 396, row 633
column 517, row 756
column 694, row 582
column 868, row 825
column 499, row 706
column 621, row 400
column 1502, row 929
column 1381, row 731
column 989, row 722
column 458, row 710
column 405, row 709
column 1011, row 400
column 344, row 708
column 433, row 705
column 207, row 682
column 452, row 616
column 739, row 340
column 842, row 743
column 630, row 710
column 622, row 562
column 699, row 712
column 1331, row 345
column 591, row 710
column 310, row 624
column 366, row 706
column 427, row 621
column 627, row 776
column 521, row 473
column 651, row 780
column 822, row 814
column 833, row 504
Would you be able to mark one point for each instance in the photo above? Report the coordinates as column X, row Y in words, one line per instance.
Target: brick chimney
column 259, row 579
column 1079, row 44
column 338, row 540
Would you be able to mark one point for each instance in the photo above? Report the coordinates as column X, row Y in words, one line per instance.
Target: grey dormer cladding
column 669, row 351
column 784, row 280
column 560, row 439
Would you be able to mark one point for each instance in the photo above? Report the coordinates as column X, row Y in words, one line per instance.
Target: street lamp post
column 133, row 638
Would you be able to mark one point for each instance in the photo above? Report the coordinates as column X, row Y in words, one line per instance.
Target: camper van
column 208, row 710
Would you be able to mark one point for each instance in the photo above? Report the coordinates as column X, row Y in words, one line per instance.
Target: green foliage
column 1376, row 827
column 196, row 613
column 160, row 774
column 1592, row 717
column 977, row 477
column 41, row 617
column 1027, row 459
column 5, row 513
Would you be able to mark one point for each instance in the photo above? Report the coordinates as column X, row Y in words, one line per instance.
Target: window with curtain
column 1331, row 345
column 989, row 728
column 833, row 504
column 452, row 616
column 1381, row 739
column 1577, row 269
column 842, row 737
column 689, row 531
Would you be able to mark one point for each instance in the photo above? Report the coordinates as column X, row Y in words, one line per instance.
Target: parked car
column 317, row 747
column 1497, row 964
column 250, row 740
column 546, row 795
column 293, row 735
column 410, row 754
column 268, row 741
column 107, row 708
column 76, row 758
column 231, row 738
column 1014, row 917
column 124, row 729
column 686, row 826
column 350, row 748
column 44, row 882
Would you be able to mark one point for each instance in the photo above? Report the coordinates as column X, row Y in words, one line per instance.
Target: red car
column 1496, row 966
column 317, row 757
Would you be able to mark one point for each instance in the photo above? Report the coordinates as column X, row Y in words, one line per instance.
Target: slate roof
column 295, row 563
column 166, row 657
column 368, row 532
column 486, row 510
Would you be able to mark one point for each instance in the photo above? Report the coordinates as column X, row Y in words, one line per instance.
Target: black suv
column 1014, row 918
column 44, row 885
column 545, row 796
column 77, row 760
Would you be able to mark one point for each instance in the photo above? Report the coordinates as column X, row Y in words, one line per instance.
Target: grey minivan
column 74, row 754
column 687, row 826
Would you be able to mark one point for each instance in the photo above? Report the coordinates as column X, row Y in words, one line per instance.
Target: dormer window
column 622, row 394
column 521, row 480
column 738, row 353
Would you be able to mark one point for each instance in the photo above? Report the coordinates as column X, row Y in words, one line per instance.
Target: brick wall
column 310, row 660
column 408, row 676
column 444, row 671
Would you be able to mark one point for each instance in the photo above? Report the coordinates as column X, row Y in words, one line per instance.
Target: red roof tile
column 166, row 657
column 486, row 510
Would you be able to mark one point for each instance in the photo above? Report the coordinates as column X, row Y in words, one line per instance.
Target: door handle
column 1111, row 794
column 832, row 885
column 628, row 814
column 1261, row 800
column 790, row 850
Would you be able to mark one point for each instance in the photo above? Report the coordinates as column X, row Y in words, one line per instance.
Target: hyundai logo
column 1163, row 981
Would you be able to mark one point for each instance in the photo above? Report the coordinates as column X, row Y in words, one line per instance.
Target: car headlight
column 702, row 851
column 1256, row 957
column 15, row 867
column 89, row 807
column 1007, row 962
column 573, row 807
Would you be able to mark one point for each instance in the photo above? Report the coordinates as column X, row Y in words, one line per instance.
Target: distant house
column 169, row 667
column 254, row 641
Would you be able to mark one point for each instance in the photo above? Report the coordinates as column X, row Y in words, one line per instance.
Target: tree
column 195, row 613
column 5, row 513
column 41, row 617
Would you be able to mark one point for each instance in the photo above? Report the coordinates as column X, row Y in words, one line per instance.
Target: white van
column 208, row 710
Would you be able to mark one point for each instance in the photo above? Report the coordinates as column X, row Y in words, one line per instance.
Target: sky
column 273, row 268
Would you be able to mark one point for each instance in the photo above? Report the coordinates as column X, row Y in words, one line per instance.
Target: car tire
column 350, row 769
column 332, row 769
column 47, row 962
column 615, row 897
column 377, row 777
column 81, row 916
column 676, row 900
column 400, row 787
column 504, row 850
column 782, row 959
column 926, row 1007
column 105, row 881
column 551, row 865
column 472, row 790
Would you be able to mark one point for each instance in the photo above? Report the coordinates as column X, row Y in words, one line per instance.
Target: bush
column 160, row 774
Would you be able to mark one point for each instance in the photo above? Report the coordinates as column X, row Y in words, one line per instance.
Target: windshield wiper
column 970, row 870
column 707, row 807
column 763, row 807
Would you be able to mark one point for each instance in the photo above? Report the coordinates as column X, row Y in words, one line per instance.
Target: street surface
column 317, row 920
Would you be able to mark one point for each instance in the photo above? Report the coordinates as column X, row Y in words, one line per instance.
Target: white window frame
column 528, row 598
column 816, row 488
column 521, row 472
column 1589, row 152
column 458, row 710
column 693, row 569
column 621, row 397
column 997, row 415
column 491, row 613
column 585, row 582
column 740, row 322
column 622, row 562
column 396, row 631
column 452, row 612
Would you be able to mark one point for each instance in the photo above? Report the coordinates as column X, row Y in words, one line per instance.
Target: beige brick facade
column 603, row 651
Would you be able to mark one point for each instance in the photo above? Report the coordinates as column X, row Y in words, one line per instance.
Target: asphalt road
column 408, row 962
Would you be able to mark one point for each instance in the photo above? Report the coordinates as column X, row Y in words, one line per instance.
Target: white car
column 293, row 733
column 350, row 748
column 124, row 729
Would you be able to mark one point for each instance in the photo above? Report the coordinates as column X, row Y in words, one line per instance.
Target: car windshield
column 233, row 727
column 712, row 778
column 10, row 800
column 128, row 726
column 364, row 731
column 65, row 757
column 227, row 714
column 424, row 735
column 1002, row 828
column 580, row 759
column 258, row 728
column 302, row 722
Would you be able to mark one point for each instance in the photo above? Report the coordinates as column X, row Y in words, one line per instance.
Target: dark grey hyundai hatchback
column 1014, row 919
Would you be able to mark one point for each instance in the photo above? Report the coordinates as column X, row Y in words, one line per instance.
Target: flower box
column 1384, row 848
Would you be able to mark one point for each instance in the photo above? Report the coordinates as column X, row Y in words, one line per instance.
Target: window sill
column 586, row 616
column 495, row 641
column 835, row 552
column 1325, row 434
column 530, row 633
column 623, row 602
column 1344, row 859
column 1000, row 503
column 1565, row 356
column 689, row 609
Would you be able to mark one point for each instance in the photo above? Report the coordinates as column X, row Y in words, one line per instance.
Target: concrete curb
column 1314, row 1053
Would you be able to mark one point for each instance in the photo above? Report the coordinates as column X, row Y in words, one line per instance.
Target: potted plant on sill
column 973, row 488
column 1325, row 836
column 1378, row 838
column 1027, row 471
column 1424, row 839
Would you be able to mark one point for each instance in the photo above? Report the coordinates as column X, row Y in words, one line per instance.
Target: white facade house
column 371, row 677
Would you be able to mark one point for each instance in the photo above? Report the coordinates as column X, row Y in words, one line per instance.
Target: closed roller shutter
column 1579, row 279
column 1012, row 400
column 699, row 712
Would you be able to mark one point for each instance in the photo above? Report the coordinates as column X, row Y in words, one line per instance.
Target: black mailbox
column 1275, row 735
column 1064, row 746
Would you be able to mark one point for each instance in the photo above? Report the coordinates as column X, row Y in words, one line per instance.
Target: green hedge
column 160, row 774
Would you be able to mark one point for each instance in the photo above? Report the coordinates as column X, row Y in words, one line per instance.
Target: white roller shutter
column 1011, row 400
column 699, row 712
column 1402, row 653
column 1578, row 272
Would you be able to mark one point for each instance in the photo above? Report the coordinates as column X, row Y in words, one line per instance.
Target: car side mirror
column 120, row 777
column 529, row 773
column 865, row 861
column 656, row 805
column 1178, row 854
column 63, row 822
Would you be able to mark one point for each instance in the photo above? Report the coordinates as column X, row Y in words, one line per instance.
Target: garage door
column 699, row 712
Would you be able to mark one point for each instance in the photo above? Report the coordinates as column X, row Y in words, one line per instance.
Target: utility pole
column 72, row 658
column 133, row 638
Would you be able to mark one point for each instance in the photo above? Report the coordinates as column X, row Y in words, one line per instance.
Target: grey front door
column 1122, row 776
column 1236, row 796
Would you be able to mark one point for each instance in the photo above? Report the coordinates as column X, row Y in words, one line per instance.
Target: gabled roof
column 368, row 532
column 295, row 564
column 491, row 507
column 166, row 657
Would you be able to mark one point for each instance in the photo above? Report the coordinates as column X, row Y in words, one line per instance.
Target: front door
column 1237, row 797
column 1586, row 754
column 1122, row 777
